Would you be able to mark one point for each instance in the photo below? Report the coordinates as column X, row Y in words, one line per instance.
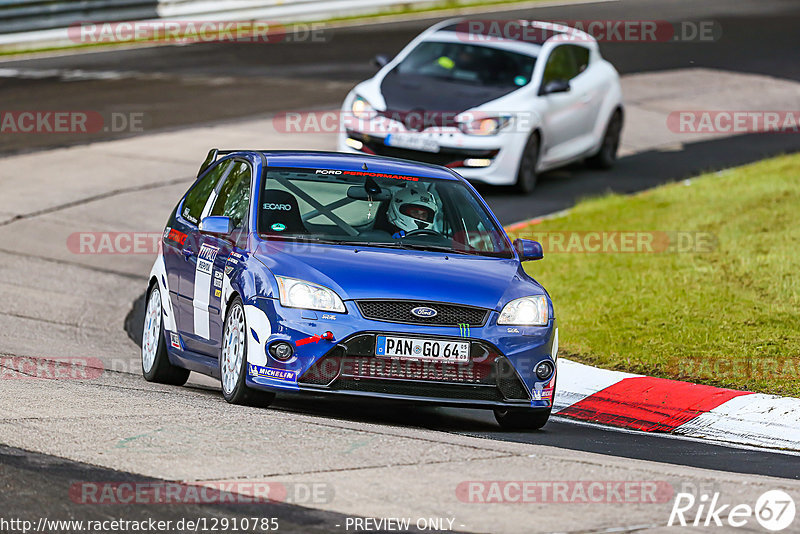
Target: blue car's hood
column 401, row 274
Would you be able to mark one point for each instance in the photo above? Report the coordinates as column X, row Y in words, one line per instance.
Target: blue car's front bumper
column 501, row 371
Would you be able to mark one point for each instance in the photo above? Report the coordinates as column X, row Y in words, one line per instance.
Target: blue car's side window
column 198, row 196
column 233, row 199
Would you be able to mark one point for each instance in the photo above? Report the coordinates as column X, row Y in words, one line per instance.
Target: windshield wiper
column 432, row 248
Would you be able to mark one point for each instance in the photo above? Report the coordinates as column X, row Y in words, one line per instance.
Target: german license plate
column 422, row 349
column 411, row 141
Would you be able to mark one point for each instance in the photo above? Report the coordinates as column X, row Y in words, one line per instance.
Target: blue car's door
column 232, row 200
column 192, row 258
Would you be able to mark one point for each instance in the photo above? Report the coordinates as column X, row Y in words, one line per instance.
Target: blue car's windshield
column 384, row 210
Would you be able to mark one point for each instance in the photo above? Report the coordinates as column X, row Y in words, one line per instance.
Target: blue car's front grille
column 400, row 311
column 353, row 366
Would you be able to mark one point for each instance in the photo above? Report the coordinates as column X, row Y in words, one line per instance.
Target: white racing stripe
column 159, row 272
column 203, row 274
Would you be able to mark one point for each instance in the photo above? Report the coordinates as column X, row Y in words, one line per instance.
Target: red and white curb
column 659, row 405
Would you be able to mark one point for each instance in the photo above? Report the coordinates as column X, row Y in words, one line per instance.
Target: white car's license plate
column 422, row 349
column 412, row 142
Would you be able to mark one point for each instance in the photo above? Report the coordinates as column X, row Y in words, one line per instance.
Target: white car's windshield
column 468, row 63
column 375, row 209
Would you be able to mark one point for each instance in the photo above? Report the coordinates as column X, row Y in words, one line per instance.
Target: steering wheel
column 423, row 231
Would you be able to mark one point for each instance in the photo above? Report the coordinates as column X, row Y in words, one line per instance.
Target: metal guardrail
column 31, row 24
column 31, row 15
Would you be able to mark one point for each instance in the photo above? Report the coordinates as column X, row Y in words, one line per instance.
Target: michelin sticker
column 284, row 375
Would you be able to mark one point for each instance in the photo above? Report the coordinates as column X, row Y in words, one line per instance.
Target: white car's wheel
column 233, row 360
column 156, row 366
column 526, row 175
column 607, row 155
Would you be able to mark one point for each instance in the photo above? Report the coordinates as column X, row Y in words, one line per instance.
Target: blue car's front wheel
column 233, row 360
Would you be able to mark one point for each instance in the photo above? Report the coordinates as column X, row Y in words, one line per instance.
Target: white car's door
column 569, row 115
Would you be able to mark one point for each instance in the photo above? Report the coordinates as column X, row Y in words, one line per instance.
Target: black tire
column 161, row 370
column 526, row 175
column 240, row 393
column 607, row 155
column 521, row 418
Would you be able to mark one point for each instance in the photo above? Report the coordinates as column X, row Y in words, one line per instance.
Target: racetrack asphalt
column 177, row 86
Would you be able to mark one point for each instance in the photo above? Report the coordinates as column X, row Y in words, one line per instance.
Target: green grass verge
column 728, row 316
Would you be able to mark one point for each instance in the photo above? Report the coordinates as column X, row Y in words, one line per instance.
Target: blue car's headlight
column 526, row 311
column 294, row 293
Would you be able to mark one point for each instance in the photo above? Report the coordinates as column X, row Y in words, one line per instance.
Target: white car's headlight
column 294, row 293
column 527, row 311
column 484, row 126
column 362, row 109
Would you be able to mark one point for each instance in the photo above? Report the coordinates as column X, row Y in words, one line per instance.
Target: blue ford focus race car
column 351, row 275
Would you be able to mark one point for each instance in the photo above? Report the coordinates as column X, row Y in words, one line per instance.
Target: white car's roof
column 524, row 36
column 521, row 47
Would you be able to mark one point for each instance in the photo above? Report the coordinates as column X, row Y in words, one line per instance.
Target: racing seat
column 280, row 214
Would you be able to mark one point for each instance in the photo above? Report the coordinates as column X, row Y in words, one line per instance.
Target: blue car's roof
column 353, row 162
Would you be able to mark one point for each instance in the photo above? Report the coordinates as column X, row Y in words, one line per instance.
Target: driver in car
column 411, row 209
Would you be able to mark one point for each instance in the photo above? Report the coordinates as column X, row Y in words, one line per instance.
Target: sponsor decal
column 187, row 216
column 278, row 227
column 175, row 340
column 381, row 175
column 236, row 255
column 217, row 293
column 464, row 327
column 512, row 330
column 547, row 393
column 327, row 171
column 228, row 269
column 329, row 316
column 218, row 275
column 270, row 206
column 424, row 311
column 205, row 259
column 284, row 375
column 218, row 282
column 537, row 394
column 171, row 234
column 314, row 339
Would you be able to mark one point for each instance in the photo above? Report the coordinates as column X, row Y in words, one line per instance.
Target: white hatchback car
column 499, row 101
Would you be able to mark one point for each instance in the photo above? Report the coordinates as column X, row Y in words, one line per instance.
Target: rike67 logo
column 774, row 510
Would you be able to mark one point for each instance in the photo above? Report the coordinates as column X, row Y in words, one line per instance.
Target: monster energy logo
column 464, row 329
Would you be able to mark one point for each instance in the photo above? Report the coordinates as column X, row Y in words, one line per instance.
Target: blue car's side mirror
column 216, row 226
column 528, row 250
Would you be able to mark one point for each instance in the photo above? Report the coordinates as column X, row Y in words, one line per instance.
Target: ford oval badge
column 424, row 311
